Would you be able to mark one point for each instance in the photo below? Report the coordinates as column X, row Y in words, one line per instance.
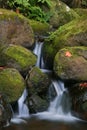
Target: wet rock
column 38, row 85
column 78, row 93
column 37, row 104
column 37, row 82
column 5, row 111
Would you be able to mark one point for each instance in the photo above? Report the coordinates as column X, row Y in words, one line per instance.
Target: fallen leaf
column 68, row 54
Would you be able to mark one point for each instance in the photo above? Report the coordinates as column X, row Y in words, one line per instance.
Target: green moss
column 63, row 64
column 9, row 15
column 37, row 75
column 59, row 38
column 20, row 55
column 11, row 83
column 40, row 28
column 81, row 11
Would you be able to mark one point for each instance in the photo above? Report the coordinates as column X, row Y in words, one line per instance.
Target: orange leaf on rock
column 68, row 54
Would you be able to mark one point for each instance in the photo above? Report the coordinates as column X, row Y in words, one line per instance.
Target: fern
column 31, row 8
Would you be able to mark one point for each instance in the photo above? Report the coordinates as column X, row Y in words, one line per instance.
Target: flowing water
column 22, row 108
column 57, row 117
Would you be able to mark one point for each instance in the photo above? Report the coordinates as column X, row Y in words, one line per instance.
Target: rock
column 73, row 33
column 17, row 57
column 37, row 82
column 40, row 28
column 78, row 93
column 5, row 110
column 37, row 104
column 15, row 29
column 71, row 63
column 12, row 83
column 61, row 14
column 38, row 85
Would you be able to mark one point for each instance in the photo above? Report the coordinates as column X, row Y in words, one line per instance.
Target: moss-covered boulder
column 61, row 13
column 71, row 63
column 15, row 29
column 17, row 57
column 12, row 83
column 38, row 85
column 73, row 33
column 37, row 82
column 5, row 110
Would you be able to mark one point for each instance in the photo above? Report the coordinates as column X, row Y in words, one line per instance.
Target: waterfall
column 22, row 107
column 61, row 104
column 59, row 108
column 37, row 51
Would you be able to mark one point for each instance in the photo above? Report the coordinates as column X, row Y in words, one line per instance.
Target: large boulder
column 12, row 83
column 73, row 33
column 38, row 85
column 71, row 63
column 15, row 29
column 5, row 110
column 17, row 57
column 78, row 94
column 61, row 13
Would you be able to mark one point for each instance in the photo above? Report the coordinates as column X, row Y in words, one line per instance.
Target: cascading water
column 37, row 51
column 23, row 110
column 61, row 104
column 59, row 108
column 22, row 107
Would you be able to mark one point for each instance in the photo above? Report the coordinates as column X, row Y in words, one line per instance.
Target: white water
column 61, row 104
column 22, row 107
column 37, row 51
column 59, row 108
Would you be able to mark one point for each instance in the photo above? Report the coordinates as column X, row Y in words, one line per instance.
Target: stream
column 58, row 115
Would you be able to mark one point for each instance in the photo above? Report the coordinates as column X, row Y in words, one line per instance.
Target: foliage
column 31, row 8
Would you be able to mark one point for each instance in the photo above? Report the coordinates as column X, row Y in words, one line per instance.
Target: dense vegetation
column 30, row 8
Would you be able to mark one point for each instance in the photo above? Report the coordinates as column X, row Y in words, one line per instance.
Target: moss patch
column 20, row 55
column 40, row 28
column 11, row 83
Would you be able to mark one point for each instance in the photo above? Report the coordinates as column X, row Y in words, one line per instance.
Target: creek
column 58, row 115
